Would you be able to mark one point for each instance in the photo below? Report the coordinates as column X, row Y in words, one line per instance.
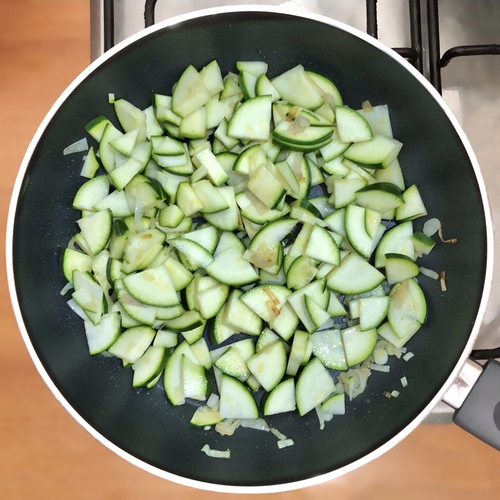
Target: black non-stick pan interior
column 141, row 422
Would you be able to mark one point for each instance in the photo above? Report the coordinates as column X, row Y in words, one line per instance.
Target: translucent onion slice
column 77, row 147
column 216, row 453
column 431, row 227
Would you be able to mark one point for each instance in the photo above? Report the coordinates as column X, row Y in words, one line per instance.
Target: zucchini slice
column 313, row 386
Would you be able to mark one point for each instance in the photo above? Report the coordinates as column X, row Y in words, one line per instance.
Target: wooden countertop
column 44, row 452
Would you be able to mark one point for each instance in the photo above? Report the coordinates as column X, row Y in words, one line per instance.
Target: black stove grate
column 414, row 54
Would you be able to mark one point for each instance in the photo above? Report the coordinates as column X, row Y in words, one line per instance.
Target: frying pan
column 141, row 426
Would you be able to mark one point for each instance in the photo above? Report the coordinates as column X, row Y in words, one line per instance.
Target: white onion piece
column 380, row 356
column 431, row 227
column 379, row 368
column 321, row 417
column 404, row 381
column 408, row 356
column 339, row 388
column 449, row 240
column 283, row 443
column 77, row 309
column 442, row 281
column 277, row 433
column 212, row 400
column 67, row 287
column 76, row 147
column 395, row 394
column 429, row 273
column 255, row 423
column 216, row 453
column 354, row 380
column 258, row 424
column 392, row 350
column 227, row 426
column 366, row 106
column 299, row 125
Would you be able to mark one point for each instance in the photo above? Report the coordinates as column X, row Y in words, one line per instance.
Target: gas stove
column 454, row 43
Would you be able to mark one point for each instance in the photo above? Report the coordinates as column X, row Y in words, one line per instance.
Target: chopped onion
column 277, row 433
column 380, row 356
column 321, row 417
column 367, row 106
column 76, row 147
column 408, row 356
column 255, row 423
column 429, row 273
column 379, row 368
column 431, row 227
column 442, row 281
column 340, row 388
column 392, row 350
column 404, row 381
column 212, row 400
column 395, row 393
column 299, row 125
column 451, row 240
column 354, row 380
column 350, row 388
column 283, row 443
column 216, row 453
column 111, row 98
column 77, row 309
column 227, row 426
column 387, row 394
column 67, row 288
